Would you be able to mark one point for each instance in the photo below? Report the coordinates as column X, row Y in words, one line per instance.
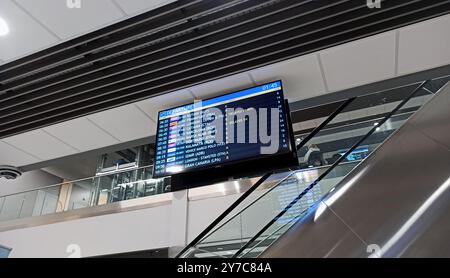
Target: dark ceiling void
column 183, row 44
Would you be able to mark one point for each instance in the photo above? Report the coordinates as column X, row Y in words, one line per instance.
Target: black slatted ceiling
column 183, row 44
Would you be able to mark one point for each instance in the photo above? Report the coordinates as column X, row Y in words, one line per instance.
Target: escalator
column 297, row 213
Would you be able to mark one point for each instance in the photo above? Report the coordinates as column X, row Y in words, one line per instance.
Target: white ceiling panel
column 152, row 106
column 139, row 6
column 365, row 61
column 12, row 156
column 82, row 134
column 125, row 123
column 424, row 45
column 40, row 144
column 221, row 86
column 360, row 62
column 301, row 77
column 25, row 35
column 68, row 22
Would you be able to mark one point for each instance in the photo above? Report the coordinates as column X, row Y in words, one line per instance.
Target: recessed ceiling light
column 4, row 29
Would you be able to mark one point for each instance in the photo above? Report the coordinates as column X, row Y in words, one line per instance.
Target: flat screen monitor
column 357, row 154
column 235, row 127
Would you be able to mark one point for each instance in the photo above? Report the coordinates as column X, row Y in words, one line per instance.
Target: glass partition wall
column 93, row 191
column 119, row 176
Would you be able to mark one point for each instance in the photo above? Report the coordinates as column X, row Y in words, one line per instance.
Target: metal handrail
column 276, row 185
column 361, row 122
column 304, row 192
column 254, row 201
column 293, row 219
column 206, row 232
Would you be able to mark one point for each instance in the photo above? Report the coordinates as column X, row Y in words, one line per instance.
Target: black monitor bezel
column 256, row 157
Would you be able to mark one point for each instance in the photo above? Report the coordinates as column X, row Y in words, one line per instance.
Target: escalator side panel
column 434, row 120
column 312, row 239
column 433, row 240
column 392, row 200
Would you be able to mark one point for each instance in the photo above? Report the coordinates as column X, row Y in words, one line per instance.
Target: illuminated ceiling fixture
column 4, row 29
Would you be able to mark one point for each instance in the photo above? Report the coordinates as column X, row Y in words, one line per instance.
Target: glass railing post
column 96, row 189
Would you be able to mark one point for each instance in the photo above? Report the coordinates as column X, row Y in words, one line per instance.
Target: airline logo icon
column 171, row 159
column 172, row 145
column 172, row 150
column 172, row 141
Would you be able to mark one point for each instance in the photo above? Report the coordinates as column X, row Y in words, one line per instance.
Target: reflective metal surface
column 394, row 204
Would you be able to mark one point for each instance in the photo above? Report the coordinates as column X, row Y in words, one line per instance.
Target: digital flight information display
column 237, row 126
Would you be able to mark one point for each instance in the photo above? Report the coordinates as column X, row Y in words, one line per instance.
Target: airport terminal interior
column 96, row 98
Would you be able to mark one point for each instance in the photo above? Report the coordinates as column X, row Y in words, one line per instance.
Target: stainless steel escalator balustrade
column 248, row 230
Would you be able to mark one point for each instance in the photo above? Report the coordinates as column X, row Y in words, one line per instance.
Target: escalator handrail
column 293, row 172
column 210, row 227
column 336, row 163
column 292, row 220
column 223, row 215
column 326, row 122
column 254, row 201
